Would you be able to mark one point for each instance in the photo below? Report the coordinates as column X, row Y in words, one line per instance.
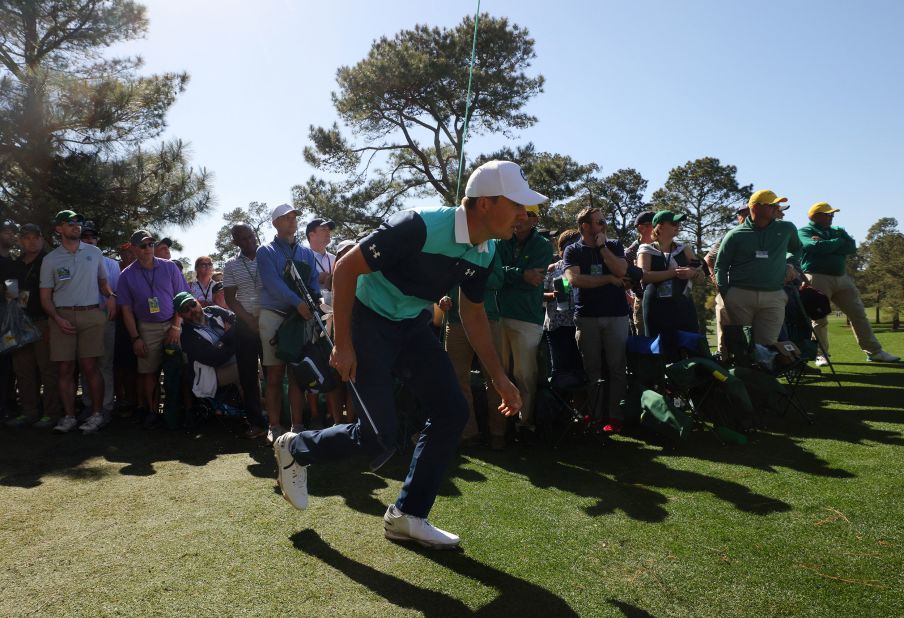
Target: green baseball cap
column 667, row 215
column 68, row 216
column 180, row 299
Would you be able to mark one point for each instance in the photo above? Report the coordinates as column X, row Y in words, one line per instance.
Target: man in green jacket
column 825, row 251
column 754, row 261
column 524, row 259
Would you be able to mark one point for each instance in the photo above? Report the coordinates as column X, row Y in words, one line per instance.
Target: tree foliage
column 67, row 112
column 405, row 106
column 256, row 215
column 708, row 193
column 883, row 256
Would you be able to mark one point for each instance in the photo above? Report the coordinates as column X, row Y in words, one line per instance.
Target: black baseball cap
column 166, row 241
column 315, row 223
column 31, row 228
column 89, row 227
column 644, row 217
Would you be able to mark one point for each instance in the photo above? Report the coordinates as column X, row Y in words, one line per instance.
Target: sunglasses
column 207, row 264
column 147, row 245
column 189, row 304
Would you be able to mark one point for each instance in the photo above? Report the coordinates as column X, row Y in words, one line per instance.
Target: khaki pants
column 520, row 344
column 720, row 319
column 842, row 291
column 462, row 355
column 33, row 370
column 764, row 311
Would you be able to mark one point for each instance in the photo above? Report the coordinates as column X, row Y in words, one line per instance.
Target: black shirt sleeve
column 403, row 235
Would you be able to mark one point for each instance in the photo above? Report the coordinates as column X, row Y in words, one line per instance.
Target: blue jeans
column 389, row 349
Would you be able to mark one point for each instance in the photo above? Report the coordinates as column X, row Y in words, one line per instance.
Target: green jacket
column 826, row 256
column 519, row 300
column 490, row 302
column 737, row 264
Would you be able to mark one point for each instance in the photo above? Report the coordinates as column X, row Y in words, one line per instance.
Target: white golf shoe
column 291, row 476
column 397, row 526
column 822, row 361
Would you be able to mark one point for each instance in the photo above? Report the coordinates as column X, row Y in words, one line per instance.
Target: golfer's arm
column 345, row 279
column 477, row 328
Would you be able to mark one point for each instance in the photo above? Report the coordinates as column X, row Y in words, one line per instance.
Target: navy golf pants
column 389, row 349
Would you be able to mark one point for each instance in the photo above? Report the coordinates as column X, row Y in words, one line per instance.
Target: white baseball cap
column 283, row 209
column 502, row 178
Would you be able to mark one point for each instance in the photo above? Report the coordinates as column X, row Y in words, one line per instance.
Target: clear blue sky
column 805, row 98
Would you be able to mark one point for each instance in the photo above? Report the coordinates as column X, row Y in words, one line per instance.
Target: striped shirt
column 241, row 273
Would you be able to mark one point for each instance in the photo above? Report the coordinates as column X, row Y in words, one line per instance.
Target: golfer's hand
column 445, row 303
column 304, row 311
column 511, row 397
column 345, row 361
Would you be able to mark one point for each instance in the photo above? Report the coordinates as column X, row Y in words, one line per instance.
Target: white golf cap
column 502, row 178
column 283, row 209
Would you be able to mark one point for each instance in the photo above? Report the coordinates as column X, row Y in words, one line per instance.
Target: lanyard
column 320, row 264
column 202, row 290
column 150, row 283
column 244, row 262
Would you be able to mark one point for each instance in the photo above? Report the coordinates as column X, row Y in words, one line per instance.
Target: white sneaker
column 66, row 424
column 92, row 423
column 882, row 357
column 822, row 361
column 291, row 476
column 274, row 432
column 397, row 526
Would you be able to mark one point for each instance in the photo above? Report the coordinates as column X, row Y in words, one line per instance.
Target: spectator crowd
column 132, row 337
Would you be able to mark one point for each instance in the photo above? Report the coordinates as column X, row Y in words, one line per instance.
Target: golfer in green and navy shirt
column 383, row 293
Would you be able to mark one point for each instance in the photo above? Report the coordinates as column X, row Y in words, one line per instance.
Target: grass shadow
column 517, row 597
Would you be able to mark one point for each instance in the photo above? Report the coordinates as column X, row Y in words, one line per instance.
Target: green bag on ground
column 766, row 393
column 661, row 416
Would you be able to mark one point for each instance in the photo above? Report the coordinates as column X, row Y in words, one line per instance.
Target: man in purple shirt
column 145, row 291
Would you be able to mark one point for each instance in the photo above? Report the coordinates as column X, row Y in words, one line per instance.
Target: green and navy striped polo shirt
column 417, row 256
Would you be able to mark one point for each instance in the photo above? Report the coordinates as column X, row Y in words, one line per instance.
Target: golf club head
column 382, row 457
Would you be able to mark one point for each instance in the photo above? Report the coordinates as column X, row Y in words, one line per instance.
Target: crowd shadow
column 516, row 596
column 27, row 456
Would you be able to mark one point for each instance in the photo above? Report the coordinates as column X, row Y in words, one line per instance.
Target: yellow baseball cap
column 765, row 196
column 535, row 209
column 820, row 207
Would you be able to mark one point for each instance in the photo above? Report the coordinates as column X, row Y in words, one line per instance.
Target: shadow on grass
column 516, row 597
column 845, row 414
column 628, row 610
column 27, row 456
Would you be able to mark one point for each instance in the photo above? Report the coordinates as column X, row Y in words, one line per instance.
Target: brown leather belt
column 81, row 308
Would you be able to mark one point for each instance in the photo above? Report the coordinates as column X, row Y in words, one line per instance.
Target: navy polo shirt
column 605, row 301
column 417, row 256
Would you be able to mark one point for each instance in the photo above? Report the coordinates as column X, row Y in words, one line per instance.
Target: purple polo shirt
column 136, row 285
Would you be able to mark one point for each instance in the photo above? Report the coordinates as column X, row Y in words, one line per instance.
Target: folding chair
column 799, row 328
column 743, row 353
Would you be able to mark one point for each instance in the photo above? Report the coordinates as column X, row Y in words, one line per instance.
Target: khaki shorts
column 268, row 323
column 88, row 340
column 153, row 334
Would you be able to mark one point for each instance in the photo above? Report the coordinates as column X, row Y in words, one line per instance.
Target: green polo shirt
column 756, row 258
column 828, row 254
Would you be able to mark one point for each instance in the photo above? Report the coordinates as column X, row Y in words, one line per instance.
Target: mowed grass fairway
column 805, row 521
